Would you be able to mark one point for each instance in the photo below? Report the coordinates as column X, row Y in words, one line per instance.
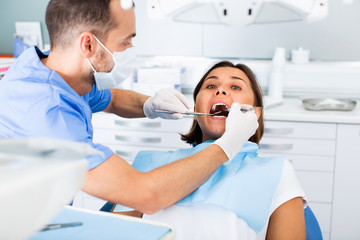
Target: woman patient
column 251, row 197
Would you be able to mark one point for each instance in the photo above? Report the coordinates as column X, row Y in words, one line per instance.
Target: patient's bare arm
column 288, row 221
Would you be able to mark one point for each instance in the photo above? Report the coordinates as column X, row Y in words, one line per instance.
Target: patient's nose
column 220, row 92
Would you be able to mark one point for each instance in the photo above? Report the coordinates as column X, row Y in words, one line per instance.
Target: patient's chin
column 214, row 133
column 218, row 128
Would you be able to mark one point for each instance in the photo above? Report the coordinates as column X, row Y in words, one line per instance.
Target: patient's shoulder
column 288, row 187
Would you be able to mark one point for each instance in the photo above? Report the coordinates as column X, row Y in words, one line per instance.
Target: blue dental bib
column 245, row 186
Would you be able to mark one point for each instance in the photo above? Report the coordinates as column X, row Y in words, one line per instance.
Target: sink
column 36, row 183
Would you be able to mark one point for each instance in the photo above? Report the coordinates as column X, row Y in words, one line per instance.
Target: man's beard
column 90, row 78
column 100, row 61
column 100, row 56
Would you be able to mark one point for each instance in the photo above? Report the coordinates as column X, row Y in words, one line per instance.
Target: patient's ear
column 195, row 116
column 258, row 111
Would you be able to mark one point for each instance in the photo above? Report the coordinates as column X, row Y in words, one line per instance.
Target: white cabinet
column 311, row 149
column 126, row 137
column 346, row 207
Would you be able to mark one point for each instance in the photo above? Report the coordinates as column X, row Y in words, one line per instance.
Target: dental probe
column 61, row 225
column 207, row 114
column 186, row 113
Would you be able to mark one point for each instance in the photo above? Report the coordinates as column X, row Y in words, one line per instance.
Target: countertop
column 292, row 110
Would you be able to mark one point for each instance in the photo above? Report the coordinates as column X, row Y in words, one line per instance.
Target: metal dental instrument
column 61, row 225
column 243, row 109
column 186, row 113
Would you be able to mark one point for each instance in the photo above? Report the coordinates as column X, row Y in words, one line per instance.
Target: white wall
column 336, row 38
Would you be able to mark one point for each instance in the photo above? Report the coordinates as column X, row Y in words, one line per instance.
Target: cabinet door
column 302, row 130
column 322, row 212
column 346, row 204
column 111, row 121
column 129, row 152
column 138, row 138
column 297, row 146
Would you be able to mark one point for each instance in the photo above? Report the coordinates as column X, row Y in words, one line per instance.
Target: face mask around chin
column 122, row 69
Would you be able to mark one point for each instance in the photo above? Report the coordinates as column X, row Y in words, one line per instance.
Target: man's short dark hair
column 66, row 19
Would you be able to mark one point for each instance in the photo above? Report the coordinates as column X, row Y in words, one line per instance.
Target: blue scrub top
column 37, row 102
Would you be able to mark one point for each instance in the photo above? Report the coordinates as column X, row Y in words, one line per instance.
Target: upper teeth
column 218, row 104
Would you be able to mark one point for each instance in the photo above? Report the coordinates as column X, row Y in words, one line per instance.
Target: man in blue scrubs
column 55, row 95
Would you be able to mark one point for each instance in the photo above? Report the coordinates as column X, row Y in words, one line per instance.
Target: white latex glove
column 166, row 99
column 239, row 127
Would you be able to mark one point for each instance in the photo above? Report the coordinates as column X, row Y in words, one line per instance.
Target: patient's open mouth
column 219, row 110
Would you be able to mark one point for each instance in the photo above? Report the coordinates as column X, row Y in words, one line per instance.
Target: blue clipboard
column 101, row 225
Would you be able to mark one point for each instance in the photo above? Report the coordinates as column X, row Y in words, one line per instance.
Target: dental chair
column 313, row 231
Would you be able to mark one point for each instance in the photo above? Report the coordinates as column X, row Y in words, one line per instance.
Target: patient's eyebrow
column 233, row 77
column 212, row 77
column 239, row 78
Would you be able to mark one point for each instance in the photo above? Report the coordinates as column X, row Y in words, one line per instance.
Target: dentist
column 55, row 95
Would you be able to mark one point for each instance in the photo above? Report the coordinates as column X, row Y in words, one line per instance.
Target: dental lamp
column 126, row 4
column 238, row 12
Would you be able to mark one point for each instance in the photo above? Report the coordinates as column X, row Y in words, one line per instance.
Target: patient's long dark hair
column 195, row 134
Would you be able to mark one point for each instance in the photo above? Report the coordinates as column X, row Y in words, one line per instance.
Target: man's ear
column 87, row 44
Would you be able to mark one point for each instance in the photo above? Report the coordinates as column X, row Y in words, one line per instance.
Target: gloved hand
column 239, row 127
column 166, row 99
